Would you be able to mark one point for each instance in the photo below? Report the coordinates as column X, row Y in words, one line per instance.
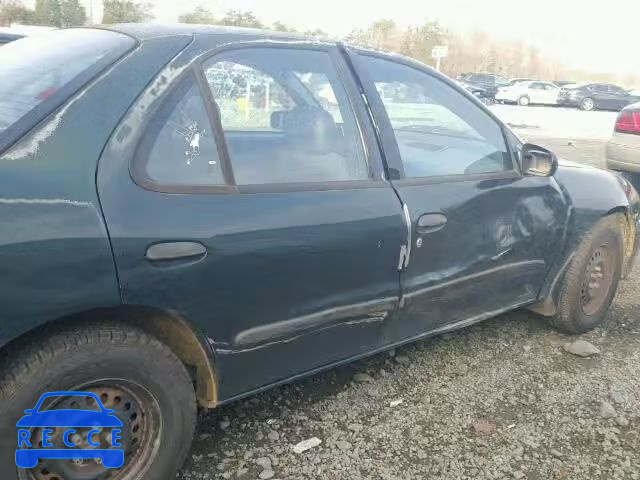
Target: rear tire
column 592, row 278
column 131, row 371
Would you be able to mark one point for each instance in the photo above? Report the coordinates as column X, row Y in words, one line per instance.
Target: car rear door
column 620, row 98
column 257, row 210
column 482, row 236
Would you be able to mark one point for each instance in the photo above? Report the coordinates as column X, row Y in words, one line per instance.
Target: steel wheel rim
column 597, row 281
column 142, row 429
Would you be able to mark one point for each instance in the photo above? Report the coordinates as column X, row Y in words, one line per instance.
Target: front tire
column 588, row 104
column 132, row 372
column 591, row 281
column 524, row 101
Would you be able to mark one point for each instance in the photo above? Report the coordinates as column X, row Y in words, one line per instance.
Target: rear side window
column 178, row 147
column 38, row 73
column 286, row 117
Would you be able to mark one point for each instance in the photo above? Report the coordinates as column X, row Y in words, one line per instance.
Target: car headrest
column 309, row 128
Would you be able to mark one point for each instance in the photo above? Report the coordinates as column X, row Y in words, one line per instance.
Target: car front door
column 550, row 94
column 482, row 235
column 257, row 211
column 600, row 94
column 536, row 93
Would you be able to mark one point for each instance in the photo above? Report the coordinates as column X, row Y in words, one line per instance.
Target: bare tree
column 200, row 15
column 13, row 11
column 123, row 11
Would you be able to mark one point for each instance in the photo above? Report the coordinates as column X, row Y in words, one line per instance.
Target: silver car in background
column 623, row 150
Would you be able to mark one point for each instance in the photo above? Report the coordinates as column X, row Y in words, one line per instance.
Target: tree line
column 71, row 13
column 475, row 51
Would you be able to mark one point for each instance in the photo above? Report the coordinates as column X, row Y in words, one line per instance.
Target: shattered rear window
column 46, row 69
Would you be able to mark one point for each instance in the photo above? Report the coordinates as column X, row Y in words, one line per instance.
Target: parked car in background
column 623, row 150
column 479, row 92
column 488, row 81
column 215, row 229
column 595, row 96
column 529, row 93
column 8, row 37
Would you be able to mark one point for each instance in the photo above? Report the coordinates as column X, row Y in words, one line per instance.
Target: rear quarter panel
column 55, row 255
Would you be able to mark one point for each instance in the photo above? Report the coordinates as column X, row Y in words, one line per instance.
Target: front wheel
column 131, row 373
column 592, row 278
column 523, row 101
column 588, row 104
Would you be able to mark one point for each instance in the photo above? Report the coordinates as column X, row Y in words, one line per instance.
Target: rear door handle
column 168, row 251
column 431, row 222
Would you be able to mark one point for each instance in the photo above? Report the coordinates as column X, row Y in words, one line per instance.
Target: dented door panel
column 481, row 243
column 492, row 254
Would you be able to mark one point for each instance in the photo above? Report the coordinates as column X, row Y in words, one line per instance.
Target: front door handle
column 431, row 222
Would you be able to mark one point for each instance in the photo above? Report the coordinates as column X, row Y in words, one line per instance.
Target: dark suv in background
column 595, row 96
column 488, row 81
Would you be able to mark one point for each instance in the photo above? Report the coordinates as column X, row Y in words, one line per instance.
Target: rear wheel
column 592, row 278
column 132, row 373
column 523, row 101
column 588, row 104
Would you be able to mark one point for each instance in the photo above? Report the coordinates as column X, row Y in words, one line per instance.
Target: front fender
column 590, row 194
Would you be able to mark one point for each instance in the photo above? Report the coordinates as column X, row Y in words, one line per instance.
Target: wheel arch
column 191, row 348
column 549, row 293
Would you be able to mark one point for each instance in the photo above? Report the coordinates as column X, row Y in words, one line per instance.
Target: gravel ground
column 502, row 399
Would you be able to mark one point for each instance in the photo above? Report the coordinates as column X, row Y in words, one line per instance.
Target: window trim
column 374, row 162
column 381, row 118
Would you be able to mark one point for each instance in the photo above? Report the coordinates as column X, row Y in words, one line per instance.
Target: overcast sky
column 599, row 35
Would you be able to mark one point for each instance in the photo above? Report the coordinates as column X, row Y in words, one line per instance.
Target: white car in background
column 530, row 92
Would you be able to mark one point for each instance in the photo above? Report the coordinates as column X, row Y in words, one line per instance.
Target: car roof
column 148, row 31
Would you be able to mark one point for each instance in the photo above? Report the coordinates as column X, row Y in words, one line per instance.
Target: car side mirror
column 538, row 161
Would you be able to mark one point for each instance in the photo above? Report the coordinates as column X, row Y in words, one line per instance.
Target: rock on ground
column 581, row 348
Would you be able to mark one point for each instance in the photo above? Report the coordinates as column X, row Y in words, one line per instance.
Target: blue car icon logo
column 70, row 434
